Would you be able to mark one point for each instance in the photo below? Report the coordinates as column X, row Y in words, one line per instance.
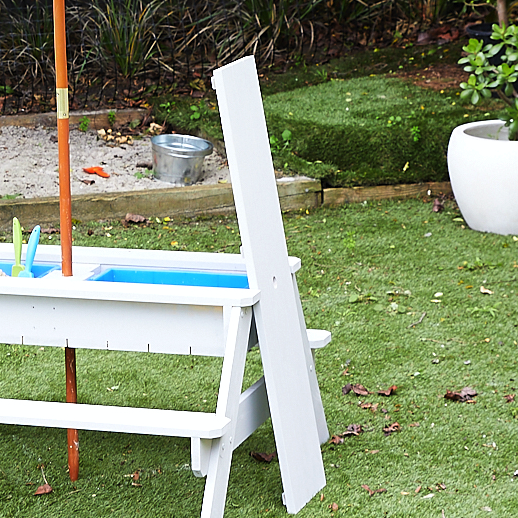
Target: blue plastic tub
column 39, row 270
column 174, row 277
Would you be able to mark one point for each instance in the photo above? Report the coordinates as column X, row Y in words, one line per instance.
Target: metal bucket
column 178, row 159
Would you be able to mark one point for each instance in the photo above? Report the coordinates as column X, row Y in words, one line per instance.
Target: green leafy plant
column 124, row 32
column 486, row 77
column 349, row 240
column 148, row 173
column 111, row 117
column 392, row 121
column 84, row 123
column 6, row 89
column 416, row 133
column 277, row 145
column 322, row 75
column 196, row 113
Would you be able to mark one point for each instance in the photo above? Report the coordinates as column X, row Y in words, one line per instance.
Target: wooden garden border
column 198, row 200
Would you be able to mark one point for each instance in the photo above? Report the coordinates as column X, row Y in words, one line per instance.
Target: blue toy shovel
column 31, row 252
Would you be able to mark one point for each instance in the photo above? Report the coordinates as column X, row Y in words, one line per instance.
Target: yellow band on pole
column 62, row 102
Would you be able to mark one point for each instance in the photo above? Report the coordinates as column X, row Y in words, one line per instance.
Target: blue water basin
column 39, row 270
column 173, row 277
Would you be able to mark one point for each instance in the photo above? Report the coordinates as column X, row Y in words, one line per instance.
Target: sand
column 29, row 164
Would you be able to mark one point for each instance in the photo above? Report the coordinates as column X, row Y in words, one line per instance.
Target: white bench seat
column 113, row 418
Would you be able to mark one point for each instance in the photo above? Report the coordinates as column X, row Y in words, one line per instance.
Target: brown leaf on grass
column 357, row 388
column 43, row 490
column 417, row 489
column 414, row 424
column 263, row 457
column 353, row 429
column 135, row 476
column 391, row 390
column 134, row 218
column 50, row 230
column 346, row 389
column 437, row 205
column 465, row 395
column 333, row 507
column 509, row 398
column 336, row 439
column 369, row 406
column 373, row 491
column 394, row 427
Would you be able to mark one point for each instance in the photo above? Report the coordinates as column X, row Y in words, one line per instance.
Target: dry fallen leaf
column 357, row 388
column 263, row 457
column 43, row 490
column 391, row 390
column 437, row 205
column 333, row 507
column 353, row 429
column 369, row 406
column 394, row 427
column 485, row 291
column 336, row 439
column 414, row 424
column 50, row 230
column 134, row 218
column 417, row 489
column 509, row 398
column 371, row 491
column 465, row 395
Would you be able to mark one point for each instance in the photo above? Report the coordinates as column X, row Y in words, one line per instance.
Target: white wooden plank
column 214, row 497
column 200, row 453
column 113, row 419
column 51, row 254
column 318, row 408
column 264, row 245
column 253, row 411
column 318, row 338
column 69, row 288
column 112, row 325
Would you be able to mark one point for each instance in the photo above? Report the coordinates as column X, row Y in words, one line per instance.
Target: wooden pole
column 65, row 209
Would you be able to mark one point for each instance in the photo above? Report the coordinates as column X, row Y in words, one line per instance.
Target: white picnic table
column 193, row 320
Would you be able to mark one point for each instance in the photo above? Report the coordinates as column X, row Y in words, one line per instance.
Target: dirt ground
column 29, row 164
column 437, row 77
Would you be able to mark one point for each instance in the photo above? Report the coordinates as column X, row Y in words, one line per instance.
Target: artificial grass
column 369, row 272
column 367, row 131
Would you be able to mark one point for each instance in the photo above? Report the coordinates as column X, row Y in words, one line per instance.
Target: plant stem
column 501, row 10
column 504, row 98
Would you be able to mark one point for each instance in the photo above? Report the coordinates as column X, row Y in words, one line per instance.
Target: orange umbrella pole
column 65, row 201
column 65, row 209
column 72, row 435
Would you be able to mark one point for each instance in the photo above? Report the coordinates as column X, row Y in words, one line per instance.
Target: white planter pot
column 483, row 167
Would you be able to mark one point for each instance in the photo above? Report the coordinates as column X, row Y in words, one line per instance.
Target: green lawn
column 369, row 271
